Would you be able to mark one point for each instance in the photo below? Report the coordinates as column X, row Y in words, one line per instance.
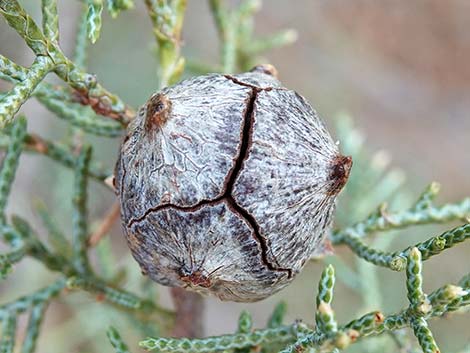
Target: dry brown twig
column 105, row 226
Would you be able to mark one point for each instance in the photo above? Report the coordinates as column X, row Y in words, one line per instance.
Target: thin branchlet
column 167, row 20
column 80, row 54
column 245, row 325
column 277, row 317
column 424, row 335
column 219, row 343
column 34, row 324
column 24, row 303
column 11, row 102
column 239, row 48
column 50, row 20
column 419, row 303
column 63, row 103
column 324, row 316
column 80, row 214
column 49, row 57
column 10, row 162
column 116, row 341
column 10, row 258
column 56, row 238
column 384, row 221
column 301, row 338
column 57, row 152
column 101, row 289
column 7, row 340
column 397, row 260
column 95, row 10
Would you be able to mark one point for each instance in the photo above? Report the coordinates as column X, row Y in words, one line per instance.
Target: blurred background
column 400, row 69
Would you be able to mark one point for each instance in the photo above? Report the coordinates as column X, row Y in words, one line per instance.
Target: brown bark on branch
column 189, row 307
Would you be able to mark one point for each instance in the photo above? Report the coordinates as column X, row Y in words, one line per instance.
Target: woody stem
column 189, row 307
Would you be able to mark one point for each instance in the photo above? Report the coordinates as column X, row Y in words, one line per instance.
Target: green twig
column 245, row 325
column 424, row 335
column 382, row 221
column 301, row 339
column 24, row 303
column 116, row 341
column 396, row 260
column 445, row 296
column 80, row 116
column 167, row 21
column 437, row 244
column 56, row 237
column 9, row 71
column 7, row 340
column 427, row 197
column 10, row 236
column 277, row 316
column 106, row 260
column 219, row 343
column 414, row 284
column 95, row 10
column 115, row 6
column 10, row 162
column 80, row 225
column 59, row 153
column 226, row 27
column 324, row 316
column 11, row 102
column 276, row 40
column 34, row 324
column 8, row 259
column 50, row 20
column 235, row 30
column 64, row 105
column 106, row 292
column 374, row 256
column 245, row 322
column 419, row 303
column 91, row 91
column 462, row 300
column 80, row 54
column 366, row 325
column 36, row 249
column 465, row 281
column 62, row 155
